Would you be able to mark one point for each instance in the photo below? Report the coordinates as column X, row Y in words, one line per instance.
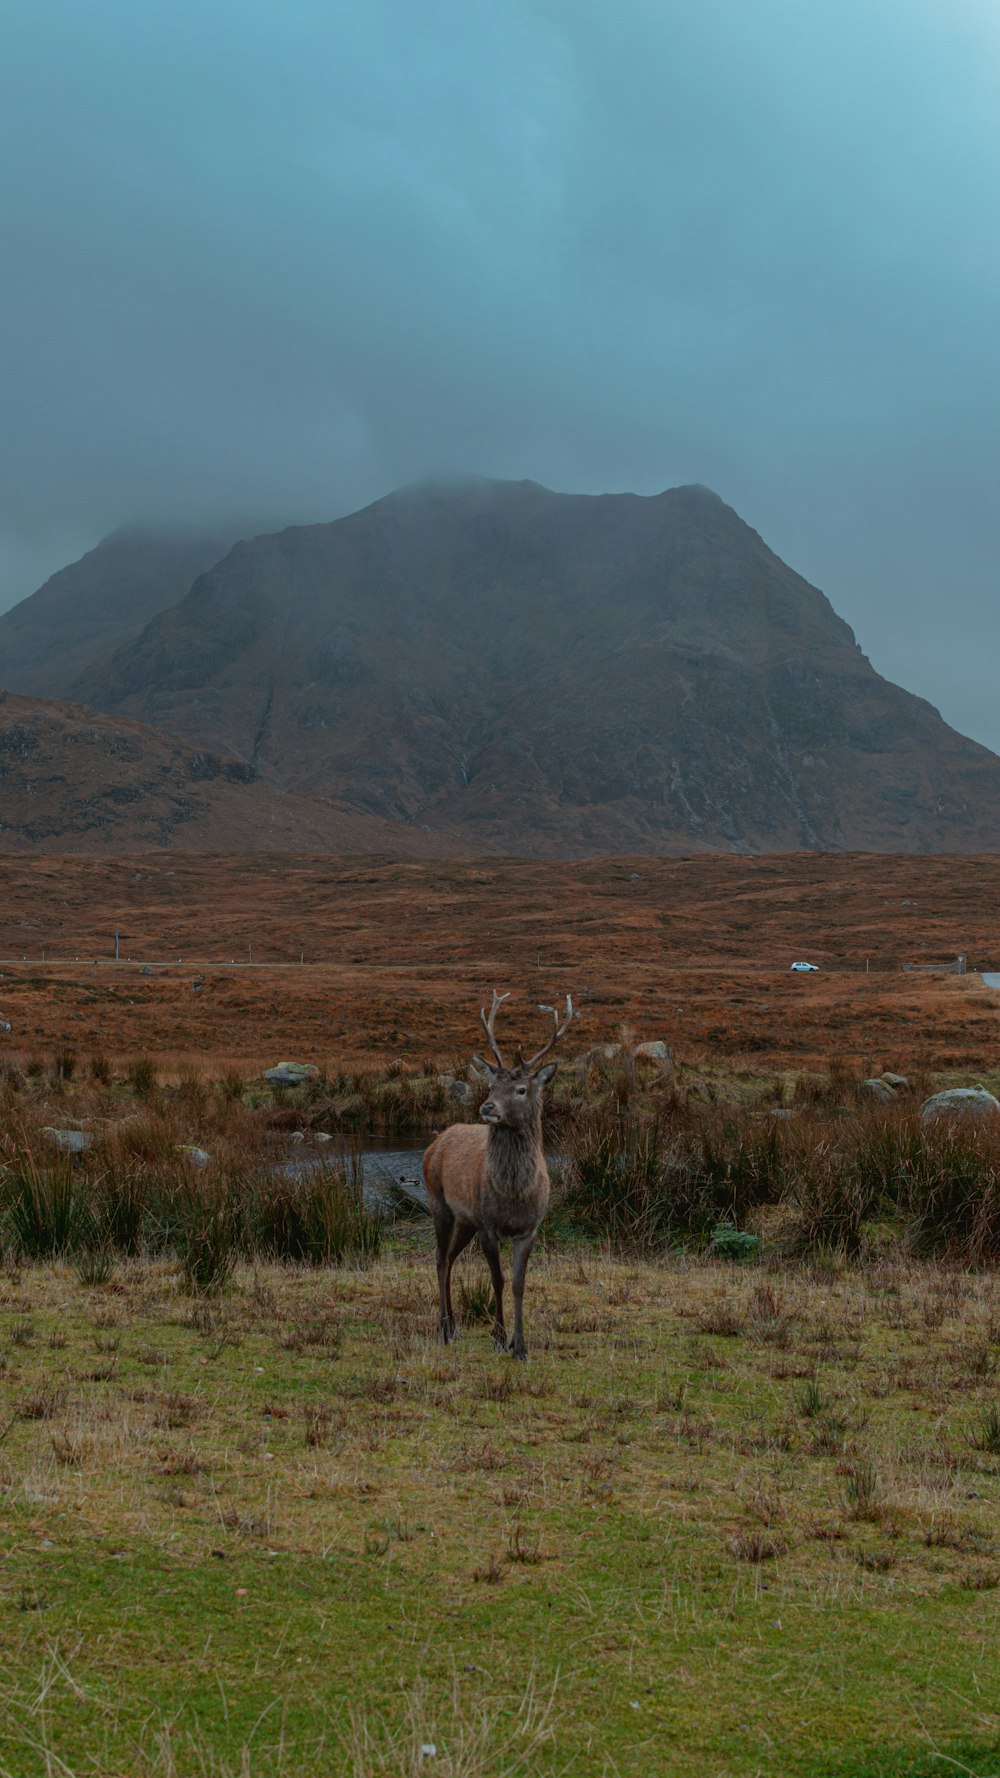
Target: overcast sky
column 275, row 258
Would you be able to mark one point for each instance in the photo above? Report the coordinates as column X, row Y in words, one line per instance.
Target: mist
column 274, row 261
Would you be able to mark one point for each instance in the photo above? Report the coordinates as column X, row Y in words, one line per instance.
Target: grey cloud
column 276, row 259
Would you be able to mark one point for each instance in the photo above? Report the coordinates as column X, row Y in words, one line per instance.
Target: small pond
column 385, row 1161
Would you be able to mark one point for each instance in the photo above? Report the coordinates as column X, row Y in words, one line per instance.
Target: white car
column 805, row 968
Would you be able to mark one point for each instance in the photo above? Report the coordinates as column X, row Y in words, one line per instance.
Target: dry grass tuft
column 758, row 1545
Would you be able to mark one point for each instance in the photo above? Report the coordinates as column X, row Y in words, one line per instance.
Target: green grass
column 285, row 1532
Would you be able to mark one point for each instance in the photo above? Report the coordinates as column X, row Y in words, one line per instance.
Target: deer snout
column 489, row 1112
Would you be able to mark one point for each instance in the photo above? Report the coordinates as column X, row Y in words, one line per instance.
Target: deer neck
column 512, row 1156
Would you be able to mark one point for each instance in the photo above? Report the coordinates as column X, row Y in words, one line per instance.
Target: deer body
column 492, row 1181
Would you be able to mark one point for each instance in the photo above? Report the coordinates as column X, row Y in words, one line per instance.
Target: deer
column 490, row 1179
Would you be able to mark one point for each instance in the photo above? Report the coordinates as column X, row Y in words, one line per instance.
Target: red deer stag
column 493, row 1181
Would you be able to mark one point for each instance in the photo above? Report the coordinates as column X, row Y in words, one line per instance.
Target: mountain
column 74, row 781
column 554, row 675
column 99, row 603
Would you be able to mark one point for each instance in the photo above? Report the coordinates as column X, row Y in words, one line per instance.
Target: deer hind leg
column 522, row 1253
column 492, row 1252
column 452, row 1238
column 444, row 1224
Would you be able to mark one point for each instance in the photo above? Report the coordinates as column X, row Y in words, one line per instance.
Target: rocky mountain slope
column 75, row 781
column 555, row 675
column 98, row 604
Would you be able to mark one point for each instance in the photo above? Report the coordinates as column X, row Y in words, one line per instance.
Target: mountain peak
column 555, row 675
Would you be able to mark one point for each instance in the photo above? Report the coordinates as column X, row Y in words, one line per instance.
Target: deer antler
column 498, row 1000
column 560, row 1030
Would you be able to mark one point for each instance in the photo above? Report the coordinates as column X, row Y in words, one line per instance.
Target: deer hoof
column 447, row 1331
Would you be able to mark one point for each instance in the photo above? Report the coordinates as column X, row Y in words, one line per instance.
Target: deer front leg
column 522, row 1253
column 492, row 1251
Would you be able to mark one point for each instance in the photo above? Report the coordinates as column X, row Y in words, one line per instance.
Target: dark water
column 386, row 1161
column 392, row 1160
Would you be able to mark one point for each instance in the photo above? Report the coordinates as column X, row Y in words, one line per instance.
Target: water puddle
column 386, row 1162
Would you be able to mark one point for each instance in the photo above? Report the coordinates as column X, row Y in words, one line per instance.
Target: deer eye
column 520, row 1091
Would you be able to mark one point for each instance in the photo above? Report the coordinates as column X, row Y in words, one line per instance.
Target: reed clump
column 138, row 1191
column 641, row 1180
column 196, row 1167
column 314, row 1218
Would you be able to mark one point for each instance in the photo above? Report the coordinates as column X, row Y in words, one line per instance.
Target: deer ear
column 489, row 1074
column 545, row 1074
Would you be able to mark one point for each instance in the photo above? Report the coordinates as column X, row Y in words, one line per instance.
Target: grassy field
column 727, row 1520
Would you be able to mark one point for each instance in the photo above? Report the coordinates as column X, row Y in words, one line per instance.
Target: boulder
column 959, row 1102
column 898, row 1081
column 656, row 1051
column 878, row 1089
column 291, row 1074
column 4, row 1026
column 197, row 1157
column 459, row 1090
column 70, row 1141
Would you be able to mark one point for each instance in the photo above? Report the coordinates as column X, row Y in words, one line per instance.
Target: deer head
column 515, row 1094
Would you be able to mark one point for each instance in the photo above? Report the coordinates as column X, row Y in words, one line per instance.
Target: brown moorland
column 356, row 961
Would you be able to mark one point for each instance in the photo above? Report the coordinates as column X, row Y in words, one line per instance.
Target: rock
column 70, row 1141
column 899, row 1081
column 146, row 969
column 656, row 1051
column 198, row 1157
column 322, row 1136
column 961, row 1102
column 291, row 1074
column 4, row 1025
column 459, row 1090
column 878, row 1089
